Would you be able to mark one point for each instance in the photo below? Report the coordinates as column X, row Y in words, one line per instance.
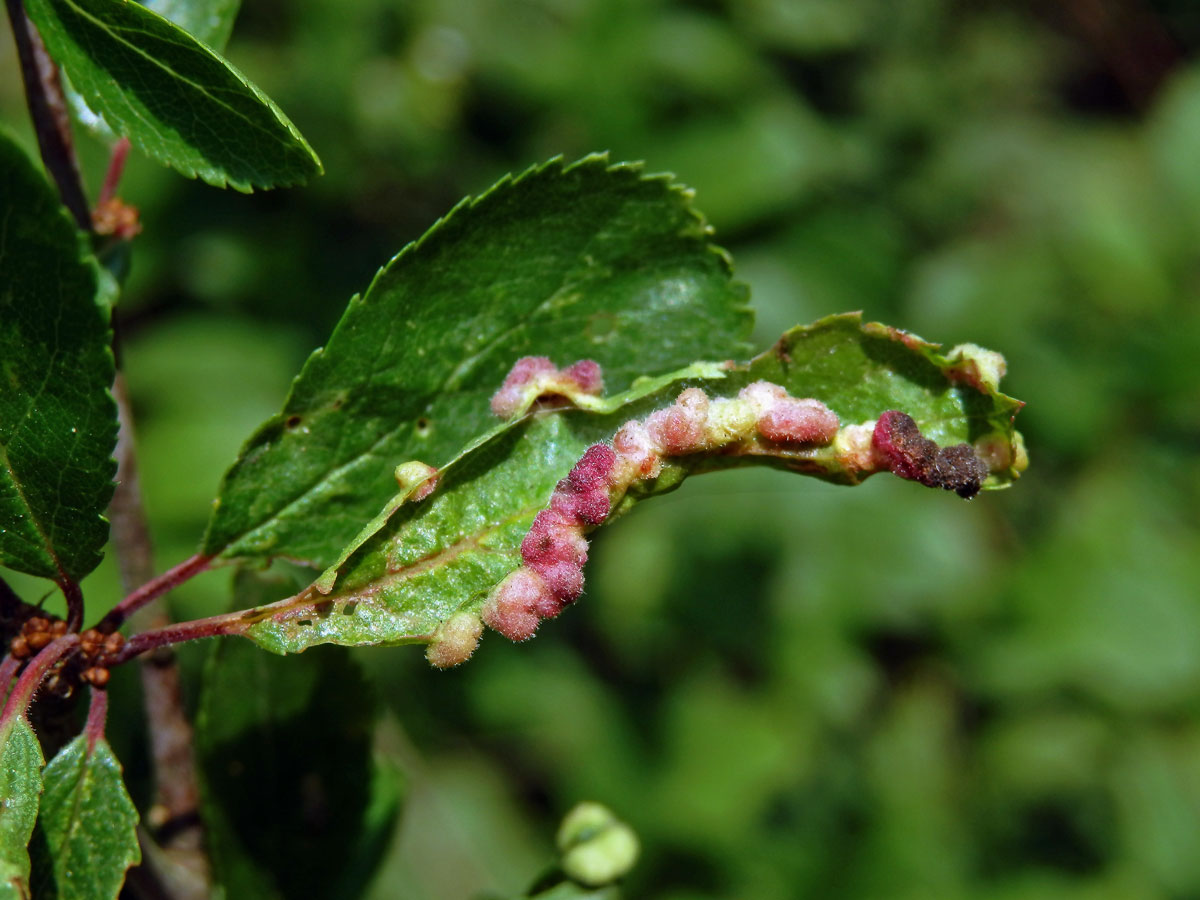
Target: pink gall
column 680, row 428
column 553, row 539
column 586, row 375
column 512, row 607
column 532, row 377
column 792, row 421
column 636, row 448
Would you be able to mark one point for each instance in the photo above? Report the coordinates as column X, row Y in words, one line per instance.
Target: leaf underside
column 444, row 555
column 175, row 98
column 87, row 823
column 20, row 787
column 58, row 422
column 589, row 260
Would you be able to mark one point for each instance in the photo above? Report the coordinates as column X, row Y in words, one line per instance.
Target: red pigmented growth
column 532, row 377
column 680, row 428
column 510, row 609
column 586, row 376
column 792, row 421
column 911, row 455
column 507, row 401
column 556, row 550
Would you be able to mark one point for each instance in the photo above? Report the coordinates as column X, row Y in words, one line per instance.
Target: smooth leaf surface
column 87, row 823
column 209, row 21
column 444, row 555
column 58, row 422
column 174, row 97
column 589, row 260
column 294, row 802
column 20, row 786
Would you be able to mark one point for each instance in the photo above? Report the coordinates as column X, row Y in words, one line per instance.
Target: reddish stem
column 8, row 671
column 214, row 626
column 153, row 589
column 74, row 595
column 31, row 677
column 96, row 718
column 116, row 166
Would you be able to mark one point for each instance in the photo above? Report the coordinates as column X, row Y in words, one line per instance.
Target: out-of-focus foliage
column 992, row 700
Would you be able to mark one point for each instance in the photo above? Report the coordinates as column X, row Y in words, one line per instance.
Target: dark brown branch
column 48, row 109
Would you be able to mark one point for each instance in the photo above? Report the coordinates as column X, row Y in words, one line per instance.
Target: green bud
column 597, row 848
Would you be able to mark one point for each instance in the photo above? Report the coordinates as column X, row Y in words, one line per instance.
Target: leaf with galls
column 503, row 538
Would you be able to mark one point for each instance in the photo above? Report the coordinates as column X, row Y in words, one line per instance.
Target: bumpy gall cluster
column 532, row 377
column 909, row 454
column 555, row 549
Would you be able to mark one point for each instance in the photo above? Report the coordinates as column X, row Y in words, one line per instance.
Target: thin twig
column 96, row 718
column 177, row 795
column 48, row 109
column 74, row 595
column 8, row 671
column 160, row 638
column 153, row 589
column 116, row 166
column 32, row 675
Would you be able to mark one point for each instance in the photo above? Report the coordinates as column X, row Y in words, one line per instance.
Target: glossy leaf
column 294, row 802
column 58, row 422
column 209, row 21
column 589, row 260
column 20, row 785
column 88, row 825
column 443, row 555
column 174, row 97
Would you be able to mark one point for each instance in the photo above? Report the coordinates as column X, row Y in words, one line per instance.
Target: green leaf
column 294, row 802
column 440, row 557
column 58, row 422
column 20, row 785
column 88, row 824
column 208, row 21
column 588, row 260
column 173, row 97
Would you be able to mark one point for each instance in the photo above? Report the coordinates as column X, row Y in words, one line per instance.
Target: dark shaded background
column 789, row 689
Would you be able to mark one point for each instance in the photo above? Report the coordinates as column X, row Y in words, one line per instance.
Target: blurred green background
column 790, row 690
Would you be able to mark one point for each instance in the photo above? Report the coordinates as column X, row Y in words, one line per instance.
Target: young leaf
column 20, row 785
column 58, row 422
column 88, row 822
column 426, row 574
column 284, row 821
column 172, row 96
column 588, row 260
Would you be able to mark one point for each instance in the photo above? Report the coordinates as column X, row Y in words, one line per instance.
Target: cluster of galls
column 89, row 663
column 763, row 414
column 555, row 549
